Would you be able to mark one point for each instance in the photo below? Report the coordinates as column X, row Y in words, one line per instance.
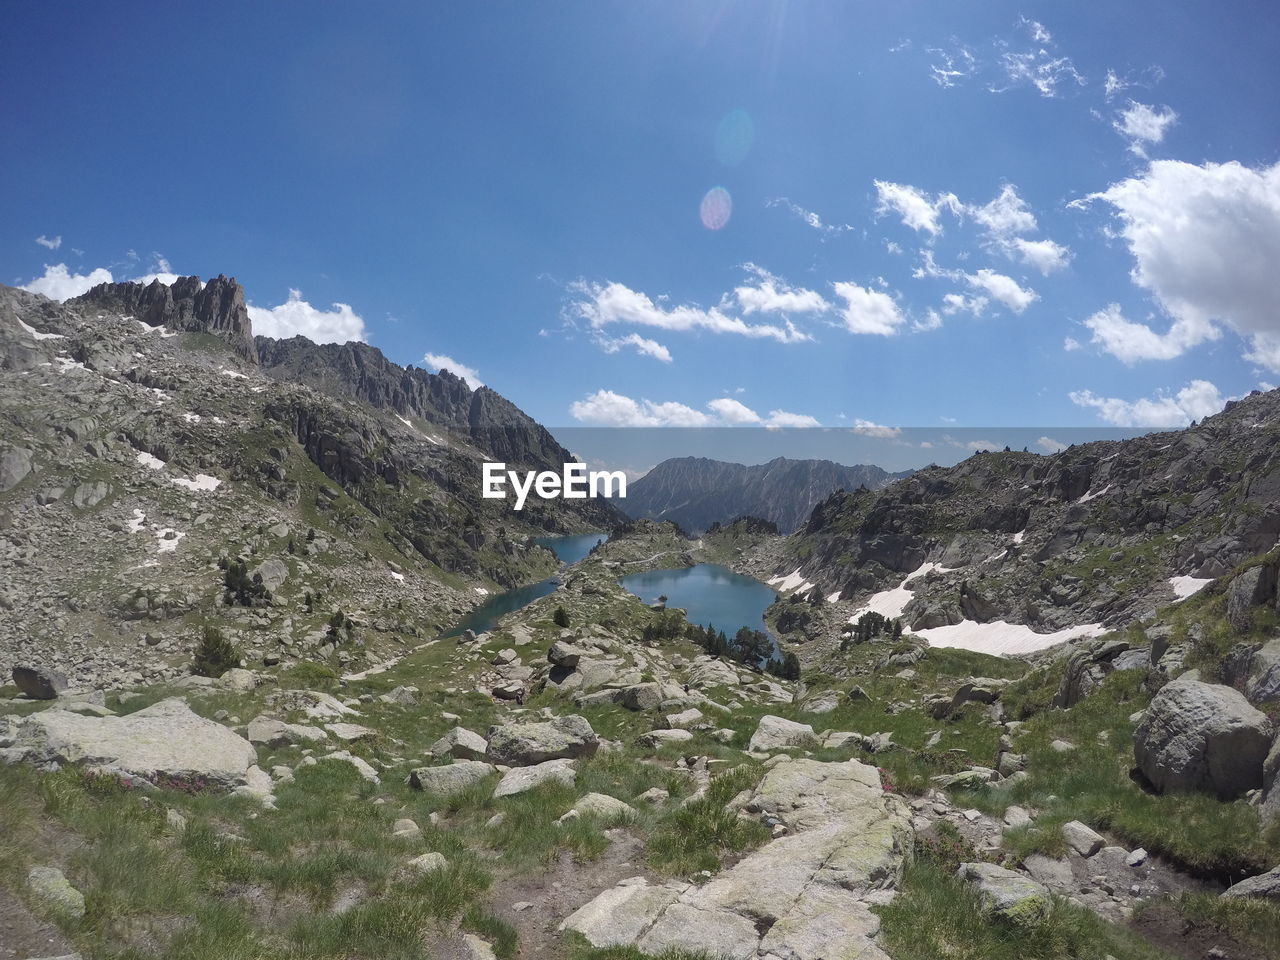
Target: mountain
column 1099, row 533
column 695, row 492
column 148, row 441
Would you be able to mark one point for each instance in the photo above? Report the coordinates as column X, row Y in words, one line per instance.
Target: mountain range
column 695, row 492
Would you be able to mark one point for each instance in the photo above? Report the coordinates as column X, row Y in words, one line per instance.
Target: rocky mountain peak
column 215, row 307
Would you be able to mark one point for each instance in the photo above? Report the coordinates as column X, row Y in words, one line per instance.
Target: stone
column 1005, row 894
column 659, row 738
column 654, row 796
column 564, row 654
column 274, row 573
column 277, row 733
column 166, row 742
column 89, row 495
column 1061, row 746
column 504, row 656
column 15, row 464
column 39, row 683
column 604, row 807
column 239, row 680
column 1016, row 816
column 350, row 732
column 54, row 892
column 685, row 719
column 823, row 702
column 1082, row 838
column 405, row 696
column 452, row 778
column 1136, row 858
column 1253, row 587
column 1263, row 685
column 803, row 896
column 526, row 743
column 1265, row 886
column 711, row 672
column 474, row 948
column 777, row 733
column 362, row 766
column 519, row 779
column 1204, row 737
column 429, row 862
column 406, row 829
column 1050, row 872
column 642, row 696
column 462, row 744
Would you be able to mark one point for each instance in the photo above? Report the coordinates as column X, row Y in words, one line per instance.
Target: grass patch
column 695, row 836
column 1256, row 922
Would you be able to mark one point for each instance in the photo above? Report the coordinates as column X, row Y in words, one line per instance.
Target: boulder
column 1263, row 685
column 519, row 779
column 778, row 733
column 1202, row 736
column 642, row 696
column 362, row 766
column 39, row 683
column 1082, row 838
column 1005, row 894
column 274, row 573
column 462, row 744
column 15, row 464
column 1263, row 887
column 564, row 654
column 605, row 807
column 277, row 733
column 1255, row 586
column 685, row 719
column 450, row 779
column 658, row 738
column 54, row 893
column 523, row 744
column 711, row 672
column 239, row 680
column 166, row 742
column 1087, row 667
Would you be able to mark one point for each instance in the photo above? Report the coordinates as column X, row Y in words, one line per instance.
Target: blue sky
column 977, row 214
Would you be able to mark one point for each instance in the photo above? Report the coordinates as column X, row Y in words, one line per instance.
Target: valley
column 280, row 683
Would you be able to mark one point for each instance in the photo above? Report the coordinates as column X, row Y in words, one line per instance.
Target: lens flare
column 716, row 208
column 734, row 136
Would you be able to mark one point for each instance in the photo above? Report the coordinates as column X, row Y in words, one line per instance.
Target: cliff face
column 490, row 421
column 696, row 492
column 217, row 307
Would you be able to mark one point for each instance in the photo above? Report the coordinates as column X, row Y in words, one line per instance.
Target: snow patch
column 167, row 539
column 1000, row 637
column 1019, row 536
column 202, row 482
column 233, row 374
column 191, row 417
column 1188, row 586
column 481, row 590
column 396, row 576
column 66, row 364
column 792, row 582
column 1094, row 496
column 138, row 522
column 891, row 603
column 149, row 461
column 37, row 335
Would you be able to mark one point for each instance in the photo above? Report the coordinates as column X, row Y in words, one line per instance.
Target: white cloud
column 52, row 243
column 610, row 409
column 952, row 66
column 610, row 303
column 1113, row 84
column 914, row 206
column 59, row 283
column 866, row 428
column 643, row 346
column 1050, row 445
column 1142, row 124
column 868, row 311
column 1004, row 216
column 1038, row 31
column 1045, row 255
column 1002, row 288
column 808, row 217
column 439, row 361
column 160, row 270
column 1205, row 241
column 1197, row 400
column 772, row 295
column 296, row 317
column 1130, row 342
column 732, row 411
column 1070, row 343
column 932, row 321
column 1040, row 69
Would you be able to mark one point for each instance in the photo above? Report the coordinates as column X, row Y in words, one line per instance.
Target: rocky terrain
column 148, row 440
column 694, row 492
column 232, row 724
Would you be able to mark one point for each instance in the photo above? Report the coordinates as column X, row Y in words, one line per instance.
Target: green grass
column 1256, row 922
column 696, row 835
column 936, row 917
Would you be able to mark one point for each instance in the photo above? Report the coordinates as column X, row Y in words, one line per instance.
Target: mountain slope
column 695, row 492
column 1101, row 532
column 141, row 454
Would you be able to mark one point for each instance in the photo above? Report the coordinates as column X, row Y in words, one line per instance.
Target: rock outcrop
column 805, row 896
column 523, row 744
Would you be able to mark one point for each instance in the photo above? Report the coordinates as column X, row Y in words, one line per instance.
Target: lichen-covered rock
column 54, row 892
column 1005, row 894
column 524, row 744
column 165, row 741
column 1265, row 886
column 452, row 778
column 778, row 733
column 462, row 744
column 1202, row 736
column 520, row 779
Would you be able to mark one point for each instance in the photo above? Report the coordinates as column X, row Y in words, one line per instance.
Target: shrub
column 215, row 654
column 560, row 617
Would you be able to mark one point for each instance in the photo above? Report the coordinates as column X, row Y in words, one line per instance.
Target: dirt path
column 23, row 935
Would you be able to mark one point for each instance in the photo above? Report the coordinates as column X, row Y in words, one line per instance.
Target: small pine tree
column 561, row 617
column 790, row 667
column 215, row 654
